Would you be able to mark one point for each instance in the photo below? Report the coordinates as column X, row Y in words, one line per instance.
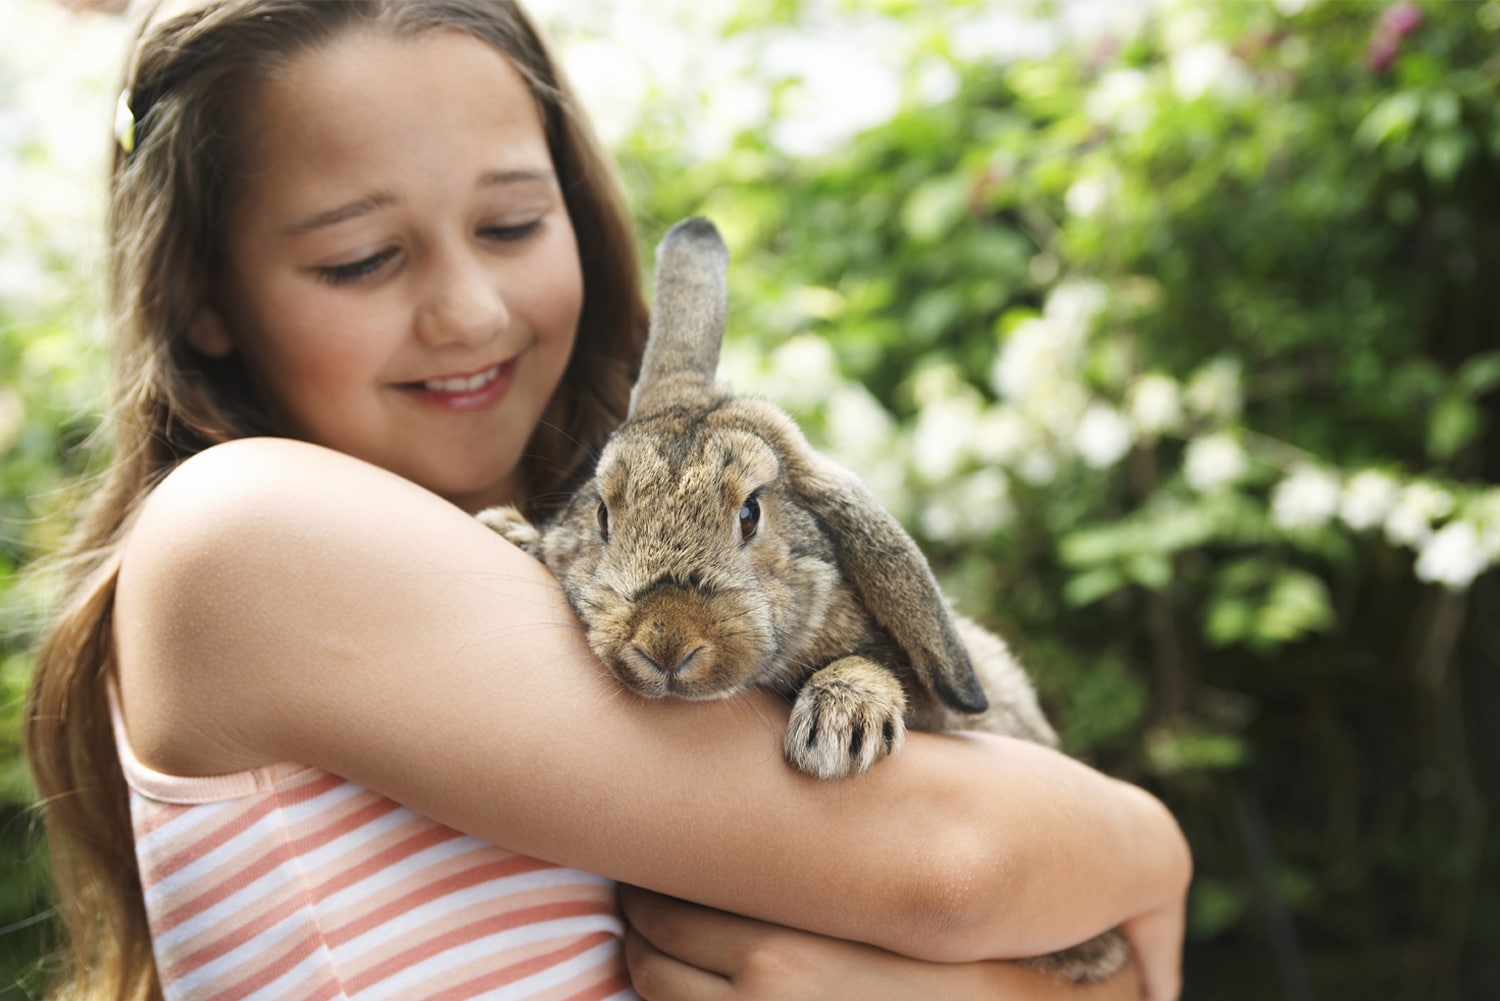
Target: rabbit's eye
column 749, row 519
column 603, row 522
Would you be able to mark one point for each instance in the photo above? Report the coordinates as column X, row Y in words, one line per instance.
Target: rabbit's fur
column 714, row 550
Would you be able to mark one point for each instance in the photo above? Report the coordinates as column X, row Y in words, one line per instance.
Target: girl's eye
column 511, row 234
column 346, row 274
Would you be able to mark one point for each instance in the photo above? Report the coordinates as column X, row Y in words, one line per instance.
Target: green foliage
column 1177, row 350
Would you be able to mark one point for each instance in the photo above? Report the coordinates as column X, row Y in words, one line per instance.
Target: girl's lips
column 464, row 393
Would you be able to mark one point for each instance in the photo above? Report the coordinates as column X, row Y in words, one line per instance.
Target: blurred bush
column 54, row 130
column 1175, row 343
column 1178, row 349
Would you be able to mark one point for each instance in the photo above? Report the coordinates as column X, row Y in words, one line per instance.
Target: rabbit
column 714, row 550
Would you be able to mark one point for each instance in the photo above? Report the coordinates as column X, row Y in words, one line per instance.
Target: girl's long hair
column 192, row 66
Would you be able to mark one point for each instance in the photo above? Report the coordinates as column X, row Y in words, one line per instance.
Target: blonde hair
column 190, row 71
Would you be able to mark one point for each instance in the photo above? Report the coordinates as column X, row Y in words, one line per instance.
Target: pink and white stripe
column 292, row 884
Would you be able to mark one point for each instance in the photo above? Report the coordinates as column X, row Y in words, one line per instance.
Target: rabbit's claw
column 846, row 716
column 512, row 526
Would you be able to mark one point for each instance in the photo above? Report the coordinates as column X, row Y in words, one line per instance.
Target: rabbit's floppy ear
column 887, row 569
column 688, row 312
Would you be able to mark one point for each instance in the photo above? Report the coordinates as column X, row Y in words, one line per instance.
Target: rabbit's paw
column 513, row 526
column 1097, row 959
column 847, row 715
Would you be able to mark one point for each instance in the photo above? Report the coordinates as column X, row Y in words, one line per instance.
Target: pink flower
column 1400, row 20
column 1396, row 23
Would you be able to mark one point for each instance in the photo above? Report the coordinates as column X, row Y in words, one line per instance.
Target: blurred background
column 1171, row 330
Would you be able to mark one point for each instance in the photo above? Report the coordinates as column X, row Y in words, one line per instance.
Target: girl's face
column 402, row 278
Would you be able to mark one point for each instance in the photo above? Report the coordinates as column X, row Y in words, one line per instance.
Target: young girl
column 305, row 729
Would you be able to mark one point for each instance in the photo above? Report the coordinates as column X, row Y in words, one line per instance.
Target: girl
column 370, row 274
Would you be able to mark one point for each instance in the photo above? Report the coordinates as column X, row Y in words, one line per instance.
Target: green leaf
column 1215, row 906
column 1229, row 621
column 1443, row 155
column 1092, row 585
column 1173, row 750
column 1479, row 374
column 1454, row 423
column 936, row 206
column 1152, row 571
column 1297, row 604
column 1391, row 120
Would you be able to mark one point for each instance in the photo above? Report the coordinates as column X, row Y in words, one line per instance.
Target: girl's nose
column 464, row 305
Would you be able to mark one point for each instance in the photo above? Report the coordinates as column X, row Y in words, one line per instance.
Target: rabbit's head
column 714, row 549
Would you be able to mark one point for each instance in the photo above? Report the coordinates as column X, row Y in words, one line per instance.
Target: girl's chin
column 475, row 497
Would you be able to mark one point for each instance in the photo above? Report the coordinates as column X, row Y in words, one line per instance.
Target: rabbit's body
column 715, row 550
column 678, row 603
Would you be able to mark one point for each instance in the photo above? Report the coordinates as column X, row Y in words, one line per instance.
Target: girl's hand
column 679, row 951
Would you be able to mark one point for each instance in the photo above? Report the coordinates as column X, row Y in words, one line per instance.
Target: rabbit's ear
column 891, row 575
column 687, row 312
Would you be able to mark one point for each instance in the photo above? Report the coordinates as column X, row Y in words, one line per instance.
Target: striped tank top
column 292, row 884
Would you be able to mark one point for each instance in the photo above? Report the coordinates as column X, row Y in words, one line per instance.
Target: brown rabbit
column 715, row 550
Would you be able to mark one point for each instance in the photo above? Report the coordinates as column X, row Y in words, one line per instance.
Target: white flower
column 1120, row 100
column 1000, row 435
column 1103, row 436
column 803, row 372
column 979, row 505
column 843, row 84
column 859, row 428
column 1208, row 68
column 1073, row 307
column 1037, row 467
column 890, row 479
column 1155, row 404
column 939, row 518
column 1452, row 557
column 1057, row 407
column 1307, row 498
column 613, row 81
column 986, row 496
column 940, row 440
column 1411, row 517
column 1213, row 462
column 1031, row 354
column 1087, row 195
column 1368, row 497
column 1214, row 390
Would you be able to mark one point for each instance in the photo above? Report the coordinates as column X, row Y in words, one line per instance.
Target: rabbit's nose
column 659, row 658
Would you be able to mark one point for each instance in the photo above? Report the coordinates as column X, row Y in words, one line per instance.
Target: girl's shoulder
column 264, row 501
column 268, row 476
column 252, row 564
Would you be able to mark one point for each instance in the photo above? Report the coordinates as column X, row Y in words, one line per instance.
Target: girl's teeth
column 463, row 384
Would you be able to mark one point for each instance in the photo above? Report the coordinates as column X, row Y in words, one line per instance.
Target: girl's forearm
column 679, row 951
column 1058, row 853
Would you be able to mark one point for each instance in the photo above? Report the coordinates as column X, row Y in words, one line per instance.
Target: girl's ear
column 208, row 334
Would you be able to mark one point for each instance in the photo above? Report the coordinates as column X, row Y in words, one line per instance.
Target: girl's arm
column 281, row 602
column 679, row 951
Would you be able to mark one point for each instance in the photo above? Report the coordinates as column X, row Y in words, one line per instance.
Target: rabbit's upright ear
column 688, row 312
column 892, row 577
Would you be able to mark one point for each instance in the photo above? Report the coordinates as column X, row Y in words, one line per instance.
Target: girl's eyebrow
column 519, row 175
column 384, row 199
column 363, row 206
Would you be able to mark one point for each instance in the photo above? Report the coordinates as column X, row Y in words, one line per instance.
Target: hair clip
column 125, row 123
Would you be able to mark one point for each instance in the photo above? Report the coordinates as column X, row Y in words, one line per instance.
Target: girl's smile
column 464, row 393
column 401, row 279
